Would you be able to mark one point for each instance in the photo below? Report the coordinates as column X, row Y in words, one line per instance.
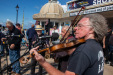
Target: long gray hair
column 9, row 23
column 99, row 24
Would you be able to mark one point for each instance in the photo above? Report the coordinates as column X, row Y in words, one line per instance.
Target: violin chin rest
column 23, row 61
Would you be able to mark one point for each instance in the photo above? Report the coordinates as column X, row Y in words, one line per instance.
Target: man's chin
column 77, row 37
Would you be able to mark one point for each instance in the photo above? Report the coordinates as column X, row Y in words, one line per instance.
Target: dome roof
column 50, row 10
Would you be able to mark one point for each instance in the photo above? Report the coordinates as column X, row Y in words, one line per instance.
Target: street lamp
column 17, row 7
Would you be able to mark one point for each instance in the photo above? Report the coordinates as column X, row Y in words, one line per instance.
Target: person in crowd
column 55, row 34
column 14, row 46
column 106, row 44
column 18, row 26
column 1, row 35
column 111, row 49
column 30, row 33
column 62, row 57
column 5, row 31
column 0, row 27
column 26, row 38
column 3, row 42
column 37, row 41
column 1, row 45
column 26, row 34
column 88, row 58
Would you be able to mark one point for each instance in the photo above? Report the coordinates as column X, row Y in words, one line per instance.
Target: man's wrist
column 42, row 62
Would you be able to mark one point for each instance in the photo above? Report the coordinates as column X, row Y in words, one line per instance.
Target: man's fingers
column 37, row 47
column 34, row 49
column 35, row 52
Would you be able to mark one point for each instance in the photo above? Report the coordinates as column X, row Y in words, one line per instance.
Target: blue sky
column 30, row 7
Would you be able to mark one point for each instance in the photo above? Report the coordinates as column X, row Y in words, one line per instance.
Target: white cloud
column 63, row 6
column 58, row 2
column 7, row 20
column 30, row 22
column 36, row 7
column 1, row 22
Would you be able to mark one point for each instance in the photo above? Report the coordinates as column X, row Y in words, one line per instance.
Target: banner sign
column 76, row 4
column 79, row 3
column 95, row 10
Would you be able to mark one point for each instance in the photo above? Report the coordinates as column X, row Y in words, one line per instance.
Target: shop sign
column 78, row 4
column 100, row 1
column 95, row 10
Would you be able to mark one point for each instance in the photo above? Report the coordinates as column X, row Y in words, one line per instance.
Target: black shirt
column 30, row 33
column 111, row 40
column 40, row 42
column 107, row 39
column 14, row 39
column 87, row 59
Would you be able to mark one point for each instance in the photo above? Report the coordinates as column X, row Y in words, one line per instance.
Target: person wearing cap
column 37, row 41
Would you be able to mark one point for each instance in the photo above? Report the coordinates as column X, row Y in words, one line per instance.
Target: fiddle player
column 62, row 57
column 88, row 57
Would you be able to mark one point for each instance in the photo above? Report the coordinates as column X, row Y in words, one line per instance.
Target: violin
column 55, row 48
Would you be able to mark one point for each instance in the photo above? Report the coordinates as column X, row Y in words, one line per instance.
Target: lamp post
column 17, row 7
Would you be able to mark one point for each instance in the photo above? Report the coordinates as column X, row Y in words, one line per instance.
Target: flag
column 47, row 22
column 36, row 23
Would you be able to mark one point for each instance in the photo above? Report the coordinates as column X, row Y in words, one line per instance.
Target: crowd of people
column 87, row 58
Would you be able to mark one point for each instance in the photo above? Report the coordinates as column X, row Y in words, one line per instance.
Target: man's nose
column 75, row 28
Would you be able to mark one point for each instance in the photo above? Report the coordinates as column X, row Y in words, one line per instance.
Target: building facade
column 53, row 13
column 103, row 7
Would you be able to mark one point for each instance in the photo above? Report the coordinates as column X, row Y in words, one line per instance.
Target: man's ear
column 91, row 31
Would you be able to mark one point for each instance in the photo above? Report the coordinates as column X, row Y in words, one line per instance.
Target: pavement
column 25, row 68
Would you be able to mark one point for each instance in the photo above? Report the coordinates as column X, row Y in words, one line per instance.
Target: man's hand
column 12, row 46
column 103, row 46
column 3, row 39
column 37, row 56
column 33, row 42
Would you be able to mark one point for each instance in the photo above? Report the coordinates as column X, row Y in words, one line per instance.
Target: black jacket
column 1, row 36
column 31, row 32
column 14, row 39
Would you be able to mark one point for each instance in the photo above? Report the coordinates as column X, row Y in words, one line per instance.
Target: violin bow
column 73, row 23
